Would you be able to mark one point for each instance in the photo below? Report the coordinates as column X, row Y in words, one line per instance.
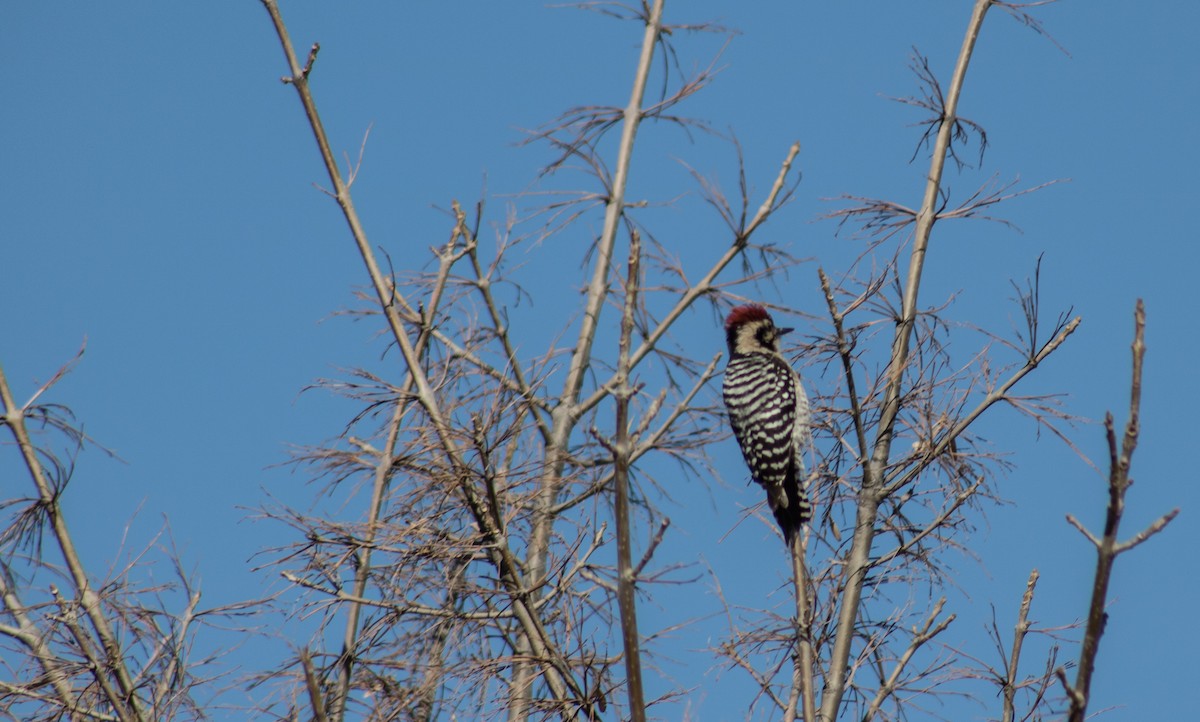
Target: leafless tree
column 494, row 513
column 492, row 476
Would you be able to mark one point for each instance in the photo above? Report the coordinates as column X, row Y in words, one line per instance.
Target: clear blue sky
column 158, row 201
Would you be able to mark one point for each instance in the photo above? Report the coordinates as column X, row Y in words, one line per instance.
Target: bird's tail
column 790, row 505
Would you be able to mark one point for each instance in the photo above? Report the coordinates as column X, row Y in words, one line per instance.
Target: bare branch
column 316, row 700
column 937, row 523
column 1158, row 525
column 927, row 632
column 858, row 559
column 1107, row 546
column 626, row 575
column 1019, row 632
column 1082, row 530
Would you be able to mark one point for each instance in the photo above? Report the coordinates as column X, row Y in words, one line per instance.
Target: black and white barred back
column 769, row 413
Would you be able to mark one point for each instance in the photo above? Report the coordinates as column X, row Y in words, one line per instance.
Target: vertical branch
column 926, row 217
column 1118, row 482
column 858, row 561
column 1019, row 632
column 613, row 211
column 845, row 352
column 626, row 581
column 566, row 414
column 312, row 684
column 1107, row 546
column 802, row 685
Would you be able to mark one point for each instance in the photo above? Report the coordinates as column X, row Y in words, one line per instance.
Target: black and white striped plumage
column 769, row 413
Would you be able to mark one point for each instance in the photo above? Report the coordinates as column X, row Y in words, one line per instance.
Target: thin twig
column 899, row 478
column 927, row 632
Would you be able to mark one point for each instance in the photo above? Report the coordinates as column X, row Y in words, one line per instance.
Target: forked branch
column 1107, row 545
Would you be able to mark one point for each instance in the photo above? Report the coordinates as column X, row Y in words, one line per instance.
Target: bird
column 769, row 412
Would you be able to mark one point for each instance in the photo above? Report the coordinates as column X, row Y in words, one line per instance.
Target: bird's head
column 750, row 329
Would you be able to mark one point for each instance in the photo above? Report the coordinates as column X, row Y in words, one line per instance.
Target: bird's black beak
column 785, row 331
